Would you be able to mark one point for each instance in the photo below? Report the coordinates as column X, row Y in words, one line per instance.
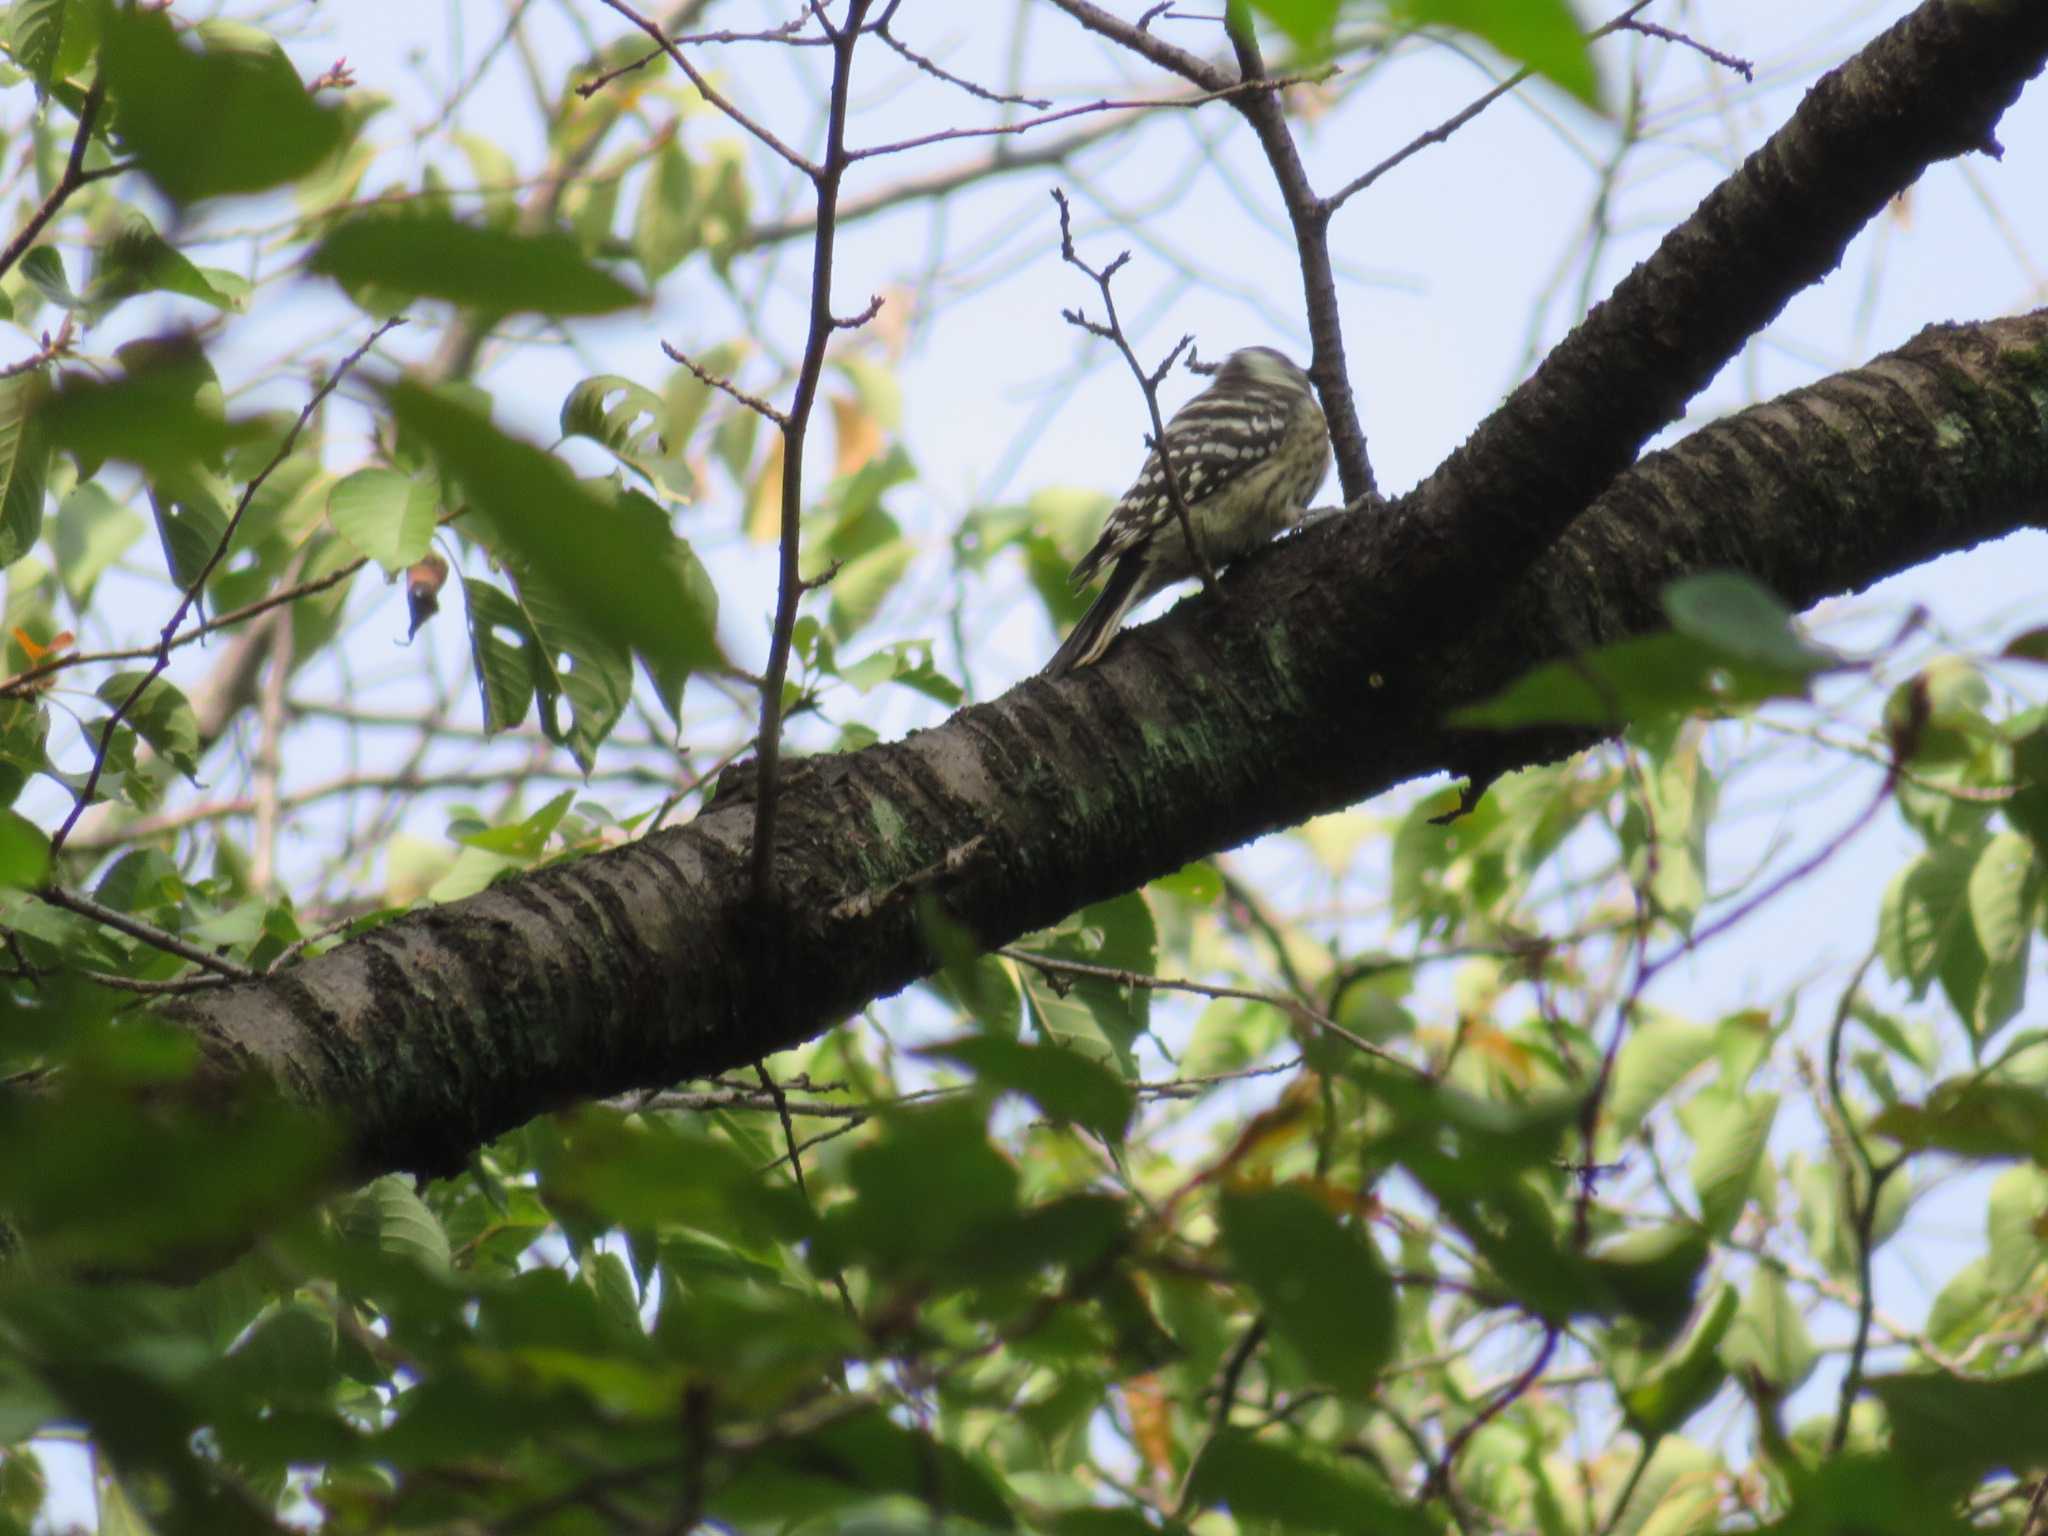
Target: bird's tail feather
column 1098, row 626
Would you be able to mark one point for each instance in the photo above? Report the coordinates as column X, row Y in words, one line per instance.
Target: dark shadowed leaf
column 1641, row 679
column 874, row 1455
column 1973, row 1118
column 230, row 116
column 161, row 716
column 436, row 256
column 929, row 1185
column 1964, row 1428
column 1264, row 1479
column 51, row 39
column 1062, row 1082
column 610, row 559
column 1322, row 1284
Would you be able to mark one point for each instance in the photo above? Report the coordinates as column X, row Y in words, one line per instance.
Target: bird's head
column 1261, row 365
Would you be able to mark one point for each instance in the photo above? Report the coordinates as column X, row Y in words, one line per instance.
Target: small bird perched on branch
column 1247, row 453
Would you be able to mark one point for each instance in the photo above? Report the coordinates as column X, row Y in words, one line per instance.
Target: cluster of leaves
column 1379, row 1246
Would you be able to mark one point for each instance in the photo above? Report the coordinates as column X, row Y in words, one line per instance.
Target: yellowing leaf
column 1151, row 1416
column 764, row 500
column 858, row 436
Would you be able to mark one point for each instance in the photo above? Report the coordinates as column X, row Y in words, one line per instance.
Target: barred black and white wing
column 1246, row 454
column 1218, row 437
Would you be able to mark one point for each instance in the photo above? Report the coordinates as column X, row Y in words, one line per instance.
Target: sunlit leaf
column 1542, row 35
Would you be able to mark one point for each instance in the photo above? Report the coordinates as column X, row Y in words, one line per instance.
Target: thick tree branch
column 650, row 964
column 1931, row 87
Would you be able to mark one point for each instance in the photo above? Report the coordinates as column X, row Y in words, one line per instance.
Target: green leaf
column 2016, row 1235
column 1657, row 1056
column 163, row 412
column 583, row 665
column 1973, row 1118
column 1118, row 935
column 665, row 228
column 385, row 515
column 161, row 716
column 1965, row 1428
column 433, row 255
column 44, row 269
column 1769, row 1334
column 908, row 1218
column 527, row 838
column 632, row 422
column 24, row 852
column 53, row 39
column 863, row 583
column 1743, row 619
column 1321, row 1283
column 24, row 464
column 1678, row 1386
column 1646, row 678
column 232, row 118
column 1924, row 926
column 1308, row 23
column 613, row 562
column 1063, row 1083
column 386, row 1215
column 506, row 654
column 136, row 259
column 1542, row 35
column 1262, row 1479
column 92, row 531
column 979, row 982
column 2005, row 900
column 1729, row 1132
column 2028, row 809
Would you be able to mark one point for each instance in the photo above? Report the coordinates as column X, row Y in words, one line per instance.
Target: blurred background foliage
column 1265, row 1198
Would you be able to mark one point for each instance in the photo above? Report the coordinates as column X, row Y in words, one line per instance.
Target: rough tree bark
column 648, row 964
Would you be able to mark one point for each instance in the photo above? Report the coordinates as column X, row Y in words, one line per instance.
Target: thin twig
column 164, row 646
column 1460, row 118
column 136, row 928
column 75, row 176
column 1742, row 67
column 1294, row 1007
column 937, row 72
column 825, row 179
column 786, row 33
column 1148, row 383
column 1107, row 104
column 711, row 93
column 720, row 382
column 1308, row 216
column 52, row 348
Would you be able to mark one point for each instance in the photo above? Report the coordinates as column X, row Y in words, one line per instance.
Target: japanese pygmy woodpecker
column 1247, row 453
